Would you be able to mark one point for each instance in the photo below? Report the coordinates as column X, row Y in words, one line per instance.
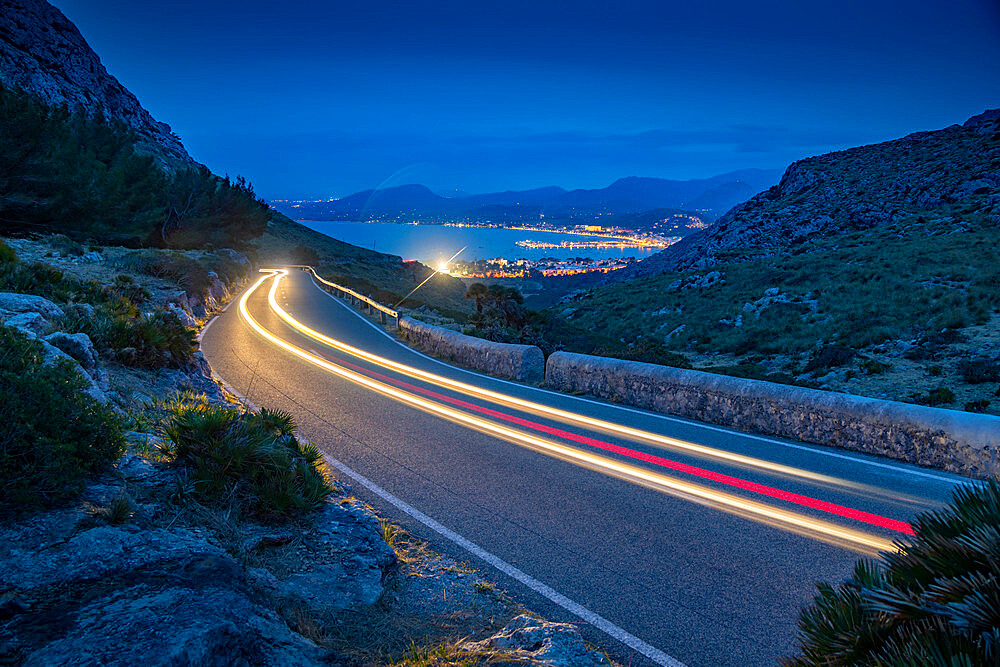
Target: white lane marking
column 740, row 434
column 599, row 622
column 578, row 610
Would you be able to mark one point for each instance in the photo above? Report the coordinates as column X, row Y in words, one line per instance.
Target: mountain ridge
column 628, row 195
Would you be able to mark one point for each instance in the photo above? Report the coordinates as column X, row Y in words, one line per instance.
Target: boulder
column 183, row 315
column 541, row 642
column 78, row 346
column 179, row 297
column 29, row 303
column 93, row 256
column 53, row 354
column 354, row 580
column 31, row 324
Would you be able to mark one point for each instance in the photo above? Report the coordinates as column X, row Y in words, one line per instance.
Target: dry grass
column 455, row 653
column 120, row 510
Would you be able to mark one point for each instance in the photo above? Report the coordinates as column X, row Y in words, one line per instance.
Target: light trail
column 798, row 499
column 811, row 526
column 563, row 416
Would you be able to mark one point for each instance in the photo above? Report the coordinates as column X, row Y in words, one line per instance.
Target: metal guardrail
column 361, row 300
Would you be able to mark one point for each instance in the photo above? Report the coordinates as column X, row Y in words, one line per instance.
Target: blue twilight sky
column 319, row 98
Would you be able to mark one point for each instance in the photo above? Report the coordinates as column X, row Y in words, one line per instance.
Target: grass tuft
column 252, row 456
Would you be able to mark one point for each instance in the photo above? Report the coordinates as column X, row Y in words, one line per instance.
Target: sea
column 433, row 244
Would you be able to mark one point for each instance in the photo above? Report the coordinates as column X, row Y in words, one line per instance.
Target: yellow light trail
column 563, row 416
column 800, row 523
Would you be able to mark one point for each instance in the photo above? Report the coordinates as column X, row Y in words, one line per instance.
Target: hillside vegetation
column 81, row 174
column 901, row 303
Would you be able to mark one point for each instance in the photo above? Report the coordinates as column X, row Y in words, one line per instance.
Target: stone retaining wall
column 960, row 442
column 517, row 362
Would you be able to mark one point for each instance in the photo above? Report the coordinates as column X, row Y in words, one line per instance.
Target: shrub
column 47, row 281
column 875, row 367
column 252, row 456
column 148, row 340
column 977, row 371
column 7, row 254
column 192, row 275
column 303, row 254
column 829, row 357
column 977, row 406
column 126, row 287
column 179, row 269
column 939, row 396
column 645, row 350
column 934, row 602
column 64, row 245
column 52, row 435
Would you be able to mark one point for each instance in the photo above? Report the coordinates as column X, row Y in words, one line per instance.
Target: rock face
column 517, row 362
column 42, row 52
column 851, row 190
column 961, row 442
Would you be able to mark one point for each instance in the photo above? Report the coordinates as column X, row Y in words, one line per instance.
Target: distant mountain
column 708, row 197
column 43, row 53
column 929, row 174
column 635, row 194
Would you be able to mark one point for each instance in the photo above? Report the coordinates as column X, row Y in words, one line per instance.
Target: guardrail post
column 381, row 318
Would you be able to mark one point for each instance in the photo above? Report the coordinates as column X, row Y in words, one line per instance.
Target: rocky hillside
column 871, row 271
column 929, row 174
column 43, row 53
column 115, row 549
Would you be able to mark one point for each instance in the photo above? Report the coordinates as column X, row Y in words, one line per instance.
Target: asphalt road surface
column 674, row 541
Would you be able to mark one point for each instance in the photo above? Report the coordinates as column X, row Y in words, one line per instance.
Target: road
column 679, row 542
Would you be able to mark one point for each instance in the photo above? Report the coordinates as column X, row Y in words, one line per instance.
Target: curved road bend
column 700, row 541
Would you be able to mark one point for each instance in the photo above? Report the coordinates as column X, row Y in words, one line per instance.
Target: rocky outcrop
column 160, row 597
column 353, row 581
column 77, row 590
column 923, row 174
column 540, row 642
column 517, row 362
column 54, row 355
column 961, row 442
column 33, row 315
column 43, row 53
